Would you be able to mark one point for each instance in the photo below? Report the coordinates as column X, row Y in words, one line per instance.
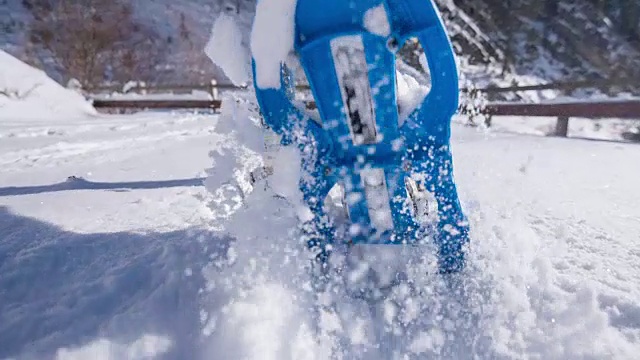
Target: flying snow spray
column 397, row 177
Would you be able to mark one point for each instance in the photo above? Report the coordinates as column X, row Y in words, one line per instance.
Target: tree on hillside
column 93, row 40
column 185, row 33
column 625, row 13
column 630, row 19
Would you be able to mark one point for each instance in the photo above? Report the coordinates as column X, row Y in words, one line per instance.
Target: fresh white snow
column 376, row 21
column 410, row 94
column 27, row 93
column 550, row 270
column 588, row 129
column 84, row 267
column 272, row 39
column 225, row 48
column 134, row 252
column 138, row 236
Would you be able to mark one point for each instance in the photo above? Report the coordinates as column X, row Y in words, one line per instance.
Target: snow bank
column 28, row 93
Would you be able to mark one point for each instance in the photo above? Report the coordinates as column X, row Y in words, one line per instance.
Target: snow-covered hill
column 27, row 92
column 534, row 47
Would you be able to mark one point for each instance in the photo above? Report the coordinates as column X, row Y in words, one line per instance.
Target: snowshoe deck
column 359, row 142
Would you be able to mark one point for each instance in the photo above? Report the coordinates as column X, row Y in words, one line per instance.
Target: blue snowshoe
column 388, row 170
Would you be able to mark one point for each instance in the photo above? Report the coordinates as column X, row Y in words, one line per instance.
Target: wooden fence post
column 141, row 87
column 487, row 120
column 562, row 126
column 214, row 89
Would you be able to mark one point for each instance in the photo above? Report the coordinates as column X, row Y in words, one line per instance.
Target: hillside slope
column 569, row 40
column 28, row 93
column 498, row 43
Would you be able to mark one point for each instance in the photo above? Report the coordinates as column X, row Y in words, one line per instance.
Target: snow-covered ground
column 594, row 129
column 127, row 262
column 118, row 242
column 105, row 260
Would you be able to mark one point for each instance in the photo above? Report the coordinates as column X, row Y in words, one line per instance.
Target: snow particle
column 226, row 50
column 376, row 21
column 272, row 39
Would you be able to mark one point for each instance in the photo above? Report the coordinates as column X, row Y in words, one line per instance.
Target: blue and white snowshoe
column 391, row 172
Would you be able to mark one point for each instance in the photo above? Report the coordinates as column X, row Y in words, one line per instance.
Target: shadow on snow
column 77, row 183
column 64, row 289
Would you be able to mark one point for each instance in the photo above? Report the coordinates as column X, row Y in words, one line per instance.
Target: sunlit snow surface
column 132, row 262
column 552, row 269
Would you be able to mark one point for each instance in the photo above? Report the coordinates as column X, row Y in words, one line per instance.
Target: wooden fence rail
column 141, row 104
column 563, row 111
column 212, row 88
column 624, row 109
column 601, row 84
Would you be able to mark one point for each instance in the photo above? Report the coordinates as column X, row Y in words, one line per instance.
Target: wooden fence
column 563, row 111
column 604, row 85
column 212, row 88
column 141, row 104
